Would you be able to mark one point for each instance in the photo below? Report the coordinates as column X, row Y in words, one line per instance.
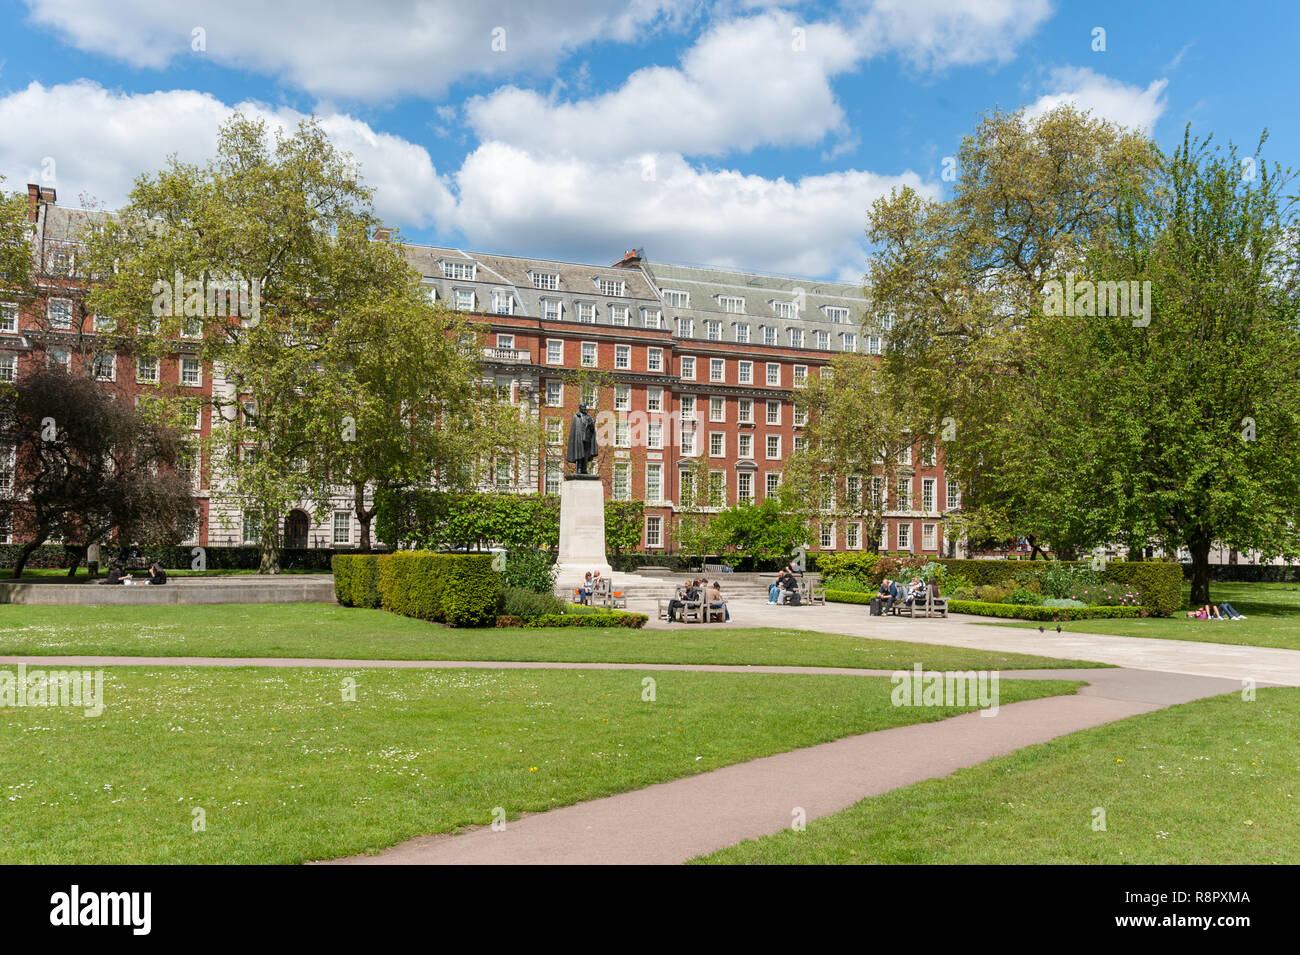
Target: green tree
column 961, row 278
column 1191, row 420
column 287, row 222
column 15, row 245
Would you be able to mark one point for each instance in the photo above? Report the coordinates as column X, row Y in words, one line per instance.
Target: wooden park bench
column 932, row 605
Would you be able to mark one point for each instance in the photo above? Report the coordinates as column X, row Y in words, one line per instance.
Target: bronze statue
column 582, row 439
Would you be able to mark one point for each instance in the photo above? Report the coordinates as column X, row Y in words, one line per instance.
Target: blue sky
column 739, row 133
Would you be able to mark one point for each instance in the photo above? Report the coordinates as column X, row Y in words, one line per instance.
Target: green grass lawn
column 1211, row 782
column 1272, row 611
column 285, row 771
column 327, row 631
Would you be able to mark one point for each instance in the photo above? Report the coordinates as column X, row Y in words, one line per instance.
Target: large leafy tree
column 1159, row 420
column 289, row 216
column 1182, row 427
column 962, row 277
column 89, row 465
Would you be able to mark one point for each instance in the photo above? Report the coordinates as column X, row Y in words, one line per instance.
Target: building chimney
column 33, row 201
column 631, row 259
column 383, row 233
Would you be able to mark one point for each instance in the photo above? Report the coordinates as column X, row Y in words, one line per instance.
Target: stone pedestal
column 582, row 531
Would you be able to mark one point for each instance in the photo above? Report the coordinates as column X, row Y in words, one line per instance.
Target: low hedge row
column 601, row 618
column 1026, row 612
column 1014, row 611
column 1250, row 573
column 181, row 557
column 461, row 590
column 848, row 597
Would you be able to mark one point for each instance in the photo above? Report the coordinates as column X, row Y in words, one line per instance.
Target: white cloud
column 100, row 140
column 1107, row 98
column 744, row 83
column 760, row 80
column 504, row 198
column 937, row 34
column 590, row 210
column 347, row 49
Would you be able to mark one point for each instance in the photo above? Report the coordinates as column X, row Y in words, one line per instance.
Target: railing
column 512, row 355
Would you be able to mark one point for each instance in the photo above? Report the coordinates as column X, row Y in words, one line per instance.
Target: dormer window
column 886, row 322
column 461, row 271
column 732, row 303
column 465, row 299
column 547, row 280
column 611, row 287
column 503, row 303
column 675, row 299
column 785, row 309
column 838, row 315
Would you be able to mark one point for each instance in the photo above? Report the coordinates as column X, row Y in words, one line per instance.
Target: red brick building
column 688, row 369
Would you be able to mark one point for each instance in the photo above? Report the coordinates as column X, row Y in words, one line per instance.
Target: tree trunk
column 270, row 557
column 1200, row 549
column 78, row 554
column 363, row 516
column 27, row 550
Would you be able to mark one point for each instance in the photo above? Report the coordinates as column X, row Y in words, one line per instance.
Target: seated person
column 584, row 591
column 116, row 575
column 789, row 588
column 687, row 592
column 774, row 590
column 716, row 602
column 915, row 591
column 888, row 594
column 156, row 574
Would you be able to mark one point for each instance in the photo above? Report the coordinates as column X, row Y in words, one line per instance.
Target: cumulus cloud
column 591, row 209
column 760, row 80
column 99, row 140
column 340, row 48
column 937, row 34
column 1106, row 97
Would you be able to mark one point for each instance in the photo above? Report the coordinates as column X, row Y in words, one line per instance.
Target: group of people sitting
column 891, row 593
column 1219, row 612
column 117, row 574
column 785, row 589
column 590, row 583
column 694, row 590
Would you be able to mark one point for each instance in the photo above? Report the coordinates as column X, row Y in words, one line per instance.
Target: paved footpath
column 676, row 821
column 1261, row 664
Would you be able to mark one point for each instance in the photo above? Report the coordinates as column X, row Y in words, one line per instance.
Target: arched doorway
column 295, row 529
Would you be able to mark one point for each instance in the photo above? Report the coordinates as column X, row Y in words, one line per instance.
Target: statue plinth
column 582, row 531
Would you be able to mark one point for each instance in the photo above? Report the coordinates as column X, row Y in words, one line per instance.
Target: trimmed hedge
column 1161, row 582
column 850, row 564
column 1250, row 573
column 1028, row 612
column 461, row 590
column 1013, row 611
column 179, row 557
column 601, row 618
column 848, row 597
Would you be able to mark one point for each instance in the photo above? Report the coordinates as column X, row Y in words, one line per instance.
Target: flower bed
column 1029, row 612
column 596, row 618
